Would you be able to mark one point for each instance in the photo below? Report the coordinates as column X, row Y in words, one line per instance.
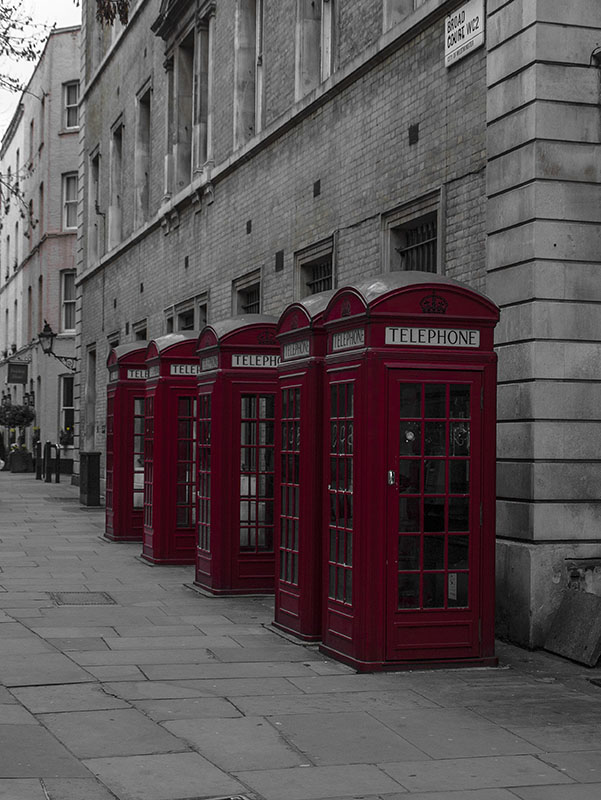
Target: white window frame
column 67, row 303
column 68, row 107
column 69, row 203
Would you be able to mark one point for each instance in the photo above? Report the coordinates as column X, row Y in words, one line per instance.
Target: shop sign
column 17, row 373
column 137, row 374
column 463, row 31
column 345, row 340
column 433, row 337
column 254, row 360
column 209, row 363
column 296, row 349
column 184, row 369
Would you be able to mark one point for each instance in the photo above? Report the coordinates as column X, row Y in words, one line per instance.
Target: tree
column 21, row 39
column 108, row 10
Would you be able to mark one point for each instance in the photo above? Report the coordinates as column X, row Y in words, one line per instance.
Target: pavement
column 118, row 681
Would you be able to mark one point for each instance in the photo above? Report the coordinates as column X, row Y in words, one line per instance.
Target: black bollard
column 47, row 458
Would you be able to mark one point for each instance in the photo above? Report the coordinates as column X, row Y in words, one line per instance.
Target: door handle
column 391, row 477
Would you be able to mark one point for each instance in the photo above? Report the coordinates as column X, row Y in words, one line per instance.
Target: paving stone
column 16, row 715
column 190, row 708
column 454, row 733
column 471, row 794
column 75, row 789
column 546, row 711
column 82, row 697
column 45, row 668
column 212, row 670
column 348, row 683
column 474, row 773
column 314, row 783
column 583, row 766
column 155, row 690
column 345, row 738
column 21, row 789
column 79, row 644
column 333, row 702
column 200, row 640
column 553, row 738
column 243, row 687
column 237, row 744
column 249, row 654
column 590, row 791
column 116, row 672
column 28, row 751
column 124, row 657
column 93, row 734
column 164, row 777
column 153, row 630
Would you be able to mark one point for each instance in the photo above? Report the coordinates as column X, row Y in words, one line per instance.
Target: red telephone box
column 236, row 427
column 299, row 504
column 125, row 442
column 170, row 450
column 410, row 448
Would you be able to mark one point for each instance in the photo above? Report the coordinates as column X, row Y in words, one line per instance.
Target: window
column 245, row 70
column 70, row 201
column 184, row 83
column 116, row 177
column 90, row 400
column 187, row 316
column 71, row 100
column 315, row 25
column 246, row 294
column 68, row 300
column 203, row 94
column 113, row 339
column 396, row 10
column 412, row 239
column 31, row 140
column 94, row 208
column 140, row 331
column 67, row 408
column 41, row 211
column 142, row 159
column 40, row 322
column 315, row 269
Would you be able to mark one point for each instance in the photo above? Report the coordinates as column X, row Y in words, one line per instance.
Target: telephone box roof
column 119, row 353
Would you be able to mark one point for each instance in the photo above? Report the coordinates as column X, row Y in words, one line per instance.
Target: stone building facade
column 239, row 154
column 39, row 166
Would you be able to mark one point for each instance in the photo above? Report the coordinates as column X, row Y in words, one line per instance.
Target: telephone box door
column 434, row 514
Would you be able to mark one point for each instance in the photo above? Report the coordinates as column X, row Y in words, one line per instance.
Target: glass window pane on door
column 257, row 412
column 138, row 453
column 434, row 503
column 185, row 514
column 204, row 471
column 340, row 491
column 148, row 459
column 290, row 488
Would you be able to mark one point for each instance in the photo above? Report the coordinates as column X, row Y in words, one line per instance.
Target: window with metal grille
column 414, row 245
column 315, row 269
column 249, row 300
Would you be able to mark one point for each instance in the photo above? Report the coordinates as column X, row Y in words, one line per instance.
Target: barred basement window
column 413, row 235
column 250, row 299
column 415, row 243
column 246, row 294
column 315, row 269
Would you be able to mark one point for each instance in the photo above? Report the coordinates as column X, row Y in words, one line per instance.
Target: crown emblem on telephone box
column 433, row 304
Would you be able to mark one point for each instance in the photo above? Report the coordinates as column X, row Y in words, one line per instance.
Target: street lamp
column 46, row 339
